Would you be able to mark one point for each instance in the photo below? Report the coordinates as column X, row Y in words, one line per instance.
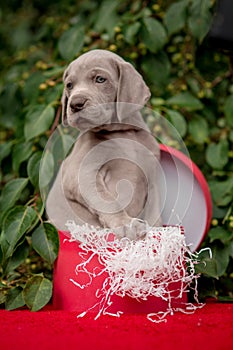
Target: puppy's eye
column 69, row 86
column 100, row 79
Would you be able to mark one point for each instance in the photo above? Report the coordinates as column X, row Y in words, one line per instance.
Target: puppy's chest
column 111, row 175
column 103, row 166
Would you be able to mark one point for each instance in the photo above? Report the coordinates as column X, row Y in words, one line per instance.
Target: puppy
column 110, row 179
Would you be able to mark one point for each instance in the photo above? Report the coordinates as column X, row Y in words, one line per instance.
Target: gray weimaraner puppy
column 110, row 179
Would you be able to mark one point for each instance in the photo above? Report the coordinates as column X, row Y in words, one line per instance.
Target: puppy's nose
column 78, row 103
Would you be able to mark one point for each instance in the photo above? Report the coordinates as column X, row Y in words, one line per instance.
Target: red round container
column 185, row 196
column 187, row 199
column 68, row 296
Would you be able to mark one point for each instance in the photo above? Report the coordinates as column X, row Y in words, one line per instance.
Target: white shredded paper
column 139, row 269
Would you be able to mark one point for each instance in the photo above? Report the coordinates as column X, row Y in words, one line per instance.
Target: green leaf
column 46, row 170
column 198, row 128
column 37, row 292
column 31, row 88
column 131, row 31
column 221, row 234
column 175, row 16
column 2, row 296
column 56, row 151
column 153, row 34
column 178, row 121
column 228, row 110
column 194, row 85
column 60, row 144
column 208, row 267
column 14, row 299
column 217, row 154
column 107, row 17
column 5, row 149
column 11, row 193
column 21, row 152
column 33, row 168
column 225, row 299
column 10, row 104
column 206, row 263
column 218, row 212
column 38, row 120
column 157, row 69
column 222, row 191
column 231, row 249
column 185, row 100
column 16, row 223
column 200, row 17
column 71, row 42
column 221, row 256
column 216, row 265
column 18, row 257
column 56, row 70
column 45, row 241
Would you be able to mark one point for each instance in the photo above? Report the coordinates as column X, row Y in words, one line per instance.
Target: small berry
column 119, row 37
column 171, row 49
column 170, row 87
column 221, row 122
column 51, row 83
column 105, row 37
column 201, row 94
column 231, row 89
column 189, row 56
column 117, row 29
column 113, row 47
column 141, row 46
column 157, row 128
column 25, row 75
column 38, row 64
column 208, row 84
column 43, row 86
column 44, row 66
column 133, row 55
column 214, row 222
column 217, row 57
column 191, row 65
column 156, row 7
column 177, row 57
column 183, row 87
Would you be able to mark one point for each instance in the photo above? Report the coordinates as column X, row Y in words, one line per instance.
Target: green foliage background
column 191, row 85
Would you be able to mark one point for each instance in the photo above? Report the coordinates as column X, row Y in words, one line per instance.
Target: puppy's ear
column 64, row 101
column 131, row 87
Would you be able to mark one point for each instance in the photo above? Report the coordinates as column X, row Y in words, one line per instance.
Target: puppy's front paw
column 133, row 231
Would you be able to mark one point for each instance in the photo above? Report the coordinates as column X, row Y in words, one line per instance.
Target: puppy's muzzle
column 78, row 103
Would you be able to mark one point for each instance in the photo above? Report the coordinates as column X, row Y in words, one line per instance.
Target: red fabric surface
column 208, row 328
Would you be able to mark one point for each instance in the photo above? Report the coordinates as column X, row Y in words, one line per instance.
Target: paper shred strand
column 138, row 269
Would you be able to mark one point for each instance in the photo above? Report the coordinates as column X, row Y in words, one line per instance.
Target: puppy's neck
column 107, row 128
column 131, row 124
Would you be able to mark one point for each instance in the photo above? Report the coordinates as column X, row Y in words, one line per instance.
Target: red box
column 68, row 296
column 189, row 199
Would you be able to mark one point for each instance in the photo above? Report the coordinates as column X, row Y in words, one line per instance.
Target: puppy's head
column 94, row 82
